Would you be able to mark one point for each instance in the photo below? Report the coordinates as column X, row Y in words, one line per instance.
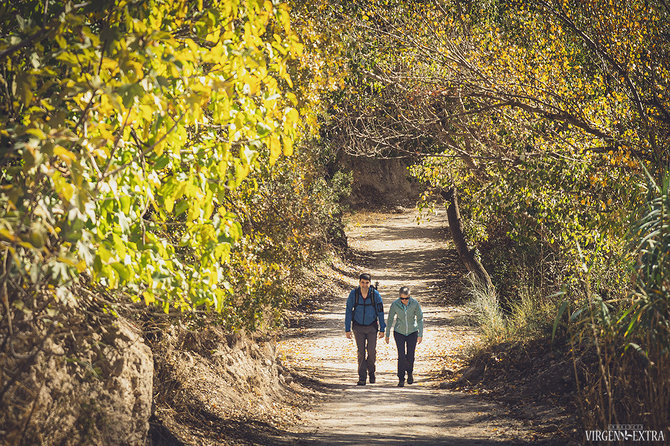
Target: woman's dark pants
column 406, row 347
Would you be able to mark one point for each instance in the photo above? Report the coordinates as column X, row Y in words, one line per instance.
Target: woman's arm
column 419, row 319
column 389, row 323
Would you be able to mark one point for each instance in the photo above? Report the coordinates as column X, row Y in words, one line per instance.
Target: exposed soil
column 397, row 251
column 216, row 388
column 534, row 380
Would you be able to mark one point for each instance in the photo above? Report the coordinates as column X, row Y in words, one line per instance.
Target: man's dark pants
column 406, row 347
column 366, row 340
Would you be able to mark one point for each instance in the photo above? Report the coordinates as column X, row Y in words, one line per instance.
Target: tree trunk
column 466, row 255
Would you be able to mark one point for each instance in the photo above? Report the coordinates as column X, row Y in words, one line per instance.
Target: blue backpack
column 377, row 307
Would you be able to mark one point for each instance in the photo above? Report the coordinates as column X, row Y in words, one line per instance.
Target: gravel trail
column 396, row 251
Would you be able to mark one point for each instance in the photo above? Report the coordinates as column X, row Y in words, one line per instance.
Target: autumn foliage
column 545, row 116
column 159, row 161
column 132, row 131
column 175, row 154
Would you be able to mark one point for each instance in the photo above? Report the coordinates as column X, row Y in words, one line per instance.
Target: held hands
column 381, row 334
column 348, row 334
column 418, row 340
column 387, row 339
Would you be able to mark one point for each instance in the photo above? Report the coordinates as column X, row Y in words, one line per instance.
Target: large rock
column 125, row 397
column 93, row 387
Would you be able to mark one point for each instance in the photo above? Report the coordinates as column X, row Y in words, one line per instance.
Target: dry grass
column 530, row 317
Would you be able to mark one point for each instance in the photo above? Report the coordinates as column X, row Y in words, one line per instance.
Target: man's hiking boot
column 360, row 383
column 410, row 378
column 372, row 378
column 401, row 383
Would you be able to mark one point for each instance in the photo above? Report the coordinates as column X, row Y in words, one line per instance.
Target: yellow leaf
column 291, row 118
column 6, row 235
column 62, row 187
column 253, row 82
column 148, row 297
column 64, row 154
column 60, row 41
column 37, row 133
column 288, row 146
column 275, row 148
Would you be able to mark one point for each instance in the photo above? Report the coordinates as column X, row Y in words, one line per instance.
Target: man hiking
column 365, row 310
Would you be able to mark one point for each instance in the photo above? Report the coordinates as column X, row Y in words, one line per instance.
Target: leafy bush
column 291, row 216
column 624, row 339
column 128, row 125
column 648, row 317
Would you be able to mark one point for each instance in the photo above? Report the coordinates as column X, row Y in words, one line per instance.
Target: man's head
column 404, row 294
column 364, row 281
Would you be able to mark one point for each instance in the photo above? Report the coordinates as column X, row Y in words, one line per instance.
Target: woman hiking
column 407, row 331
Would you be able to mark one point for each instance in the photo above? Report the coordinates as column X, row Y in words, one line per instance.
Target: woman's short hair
column 404, row 290
column 365, row 276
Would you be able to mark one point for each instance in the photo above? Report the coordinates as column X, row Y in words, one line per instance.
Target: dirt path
column 397, row 252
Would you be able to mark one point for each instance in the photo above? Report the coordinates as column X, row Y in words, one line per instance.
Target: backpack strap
column 357, row 292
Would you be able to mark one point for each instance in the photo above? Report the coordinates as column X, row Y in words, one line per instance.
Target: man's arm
column 347, row 315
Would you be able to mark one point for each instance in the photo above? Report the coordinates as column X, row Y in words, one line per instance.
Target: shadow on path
column 397, row 252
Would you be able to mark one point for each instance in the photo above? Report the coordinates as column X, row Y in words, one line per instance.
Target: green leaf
column 122, row 270
column 161, row 162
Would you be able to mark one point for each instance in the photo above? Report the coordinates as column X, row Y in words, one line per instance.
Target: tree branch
column 25, row 42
